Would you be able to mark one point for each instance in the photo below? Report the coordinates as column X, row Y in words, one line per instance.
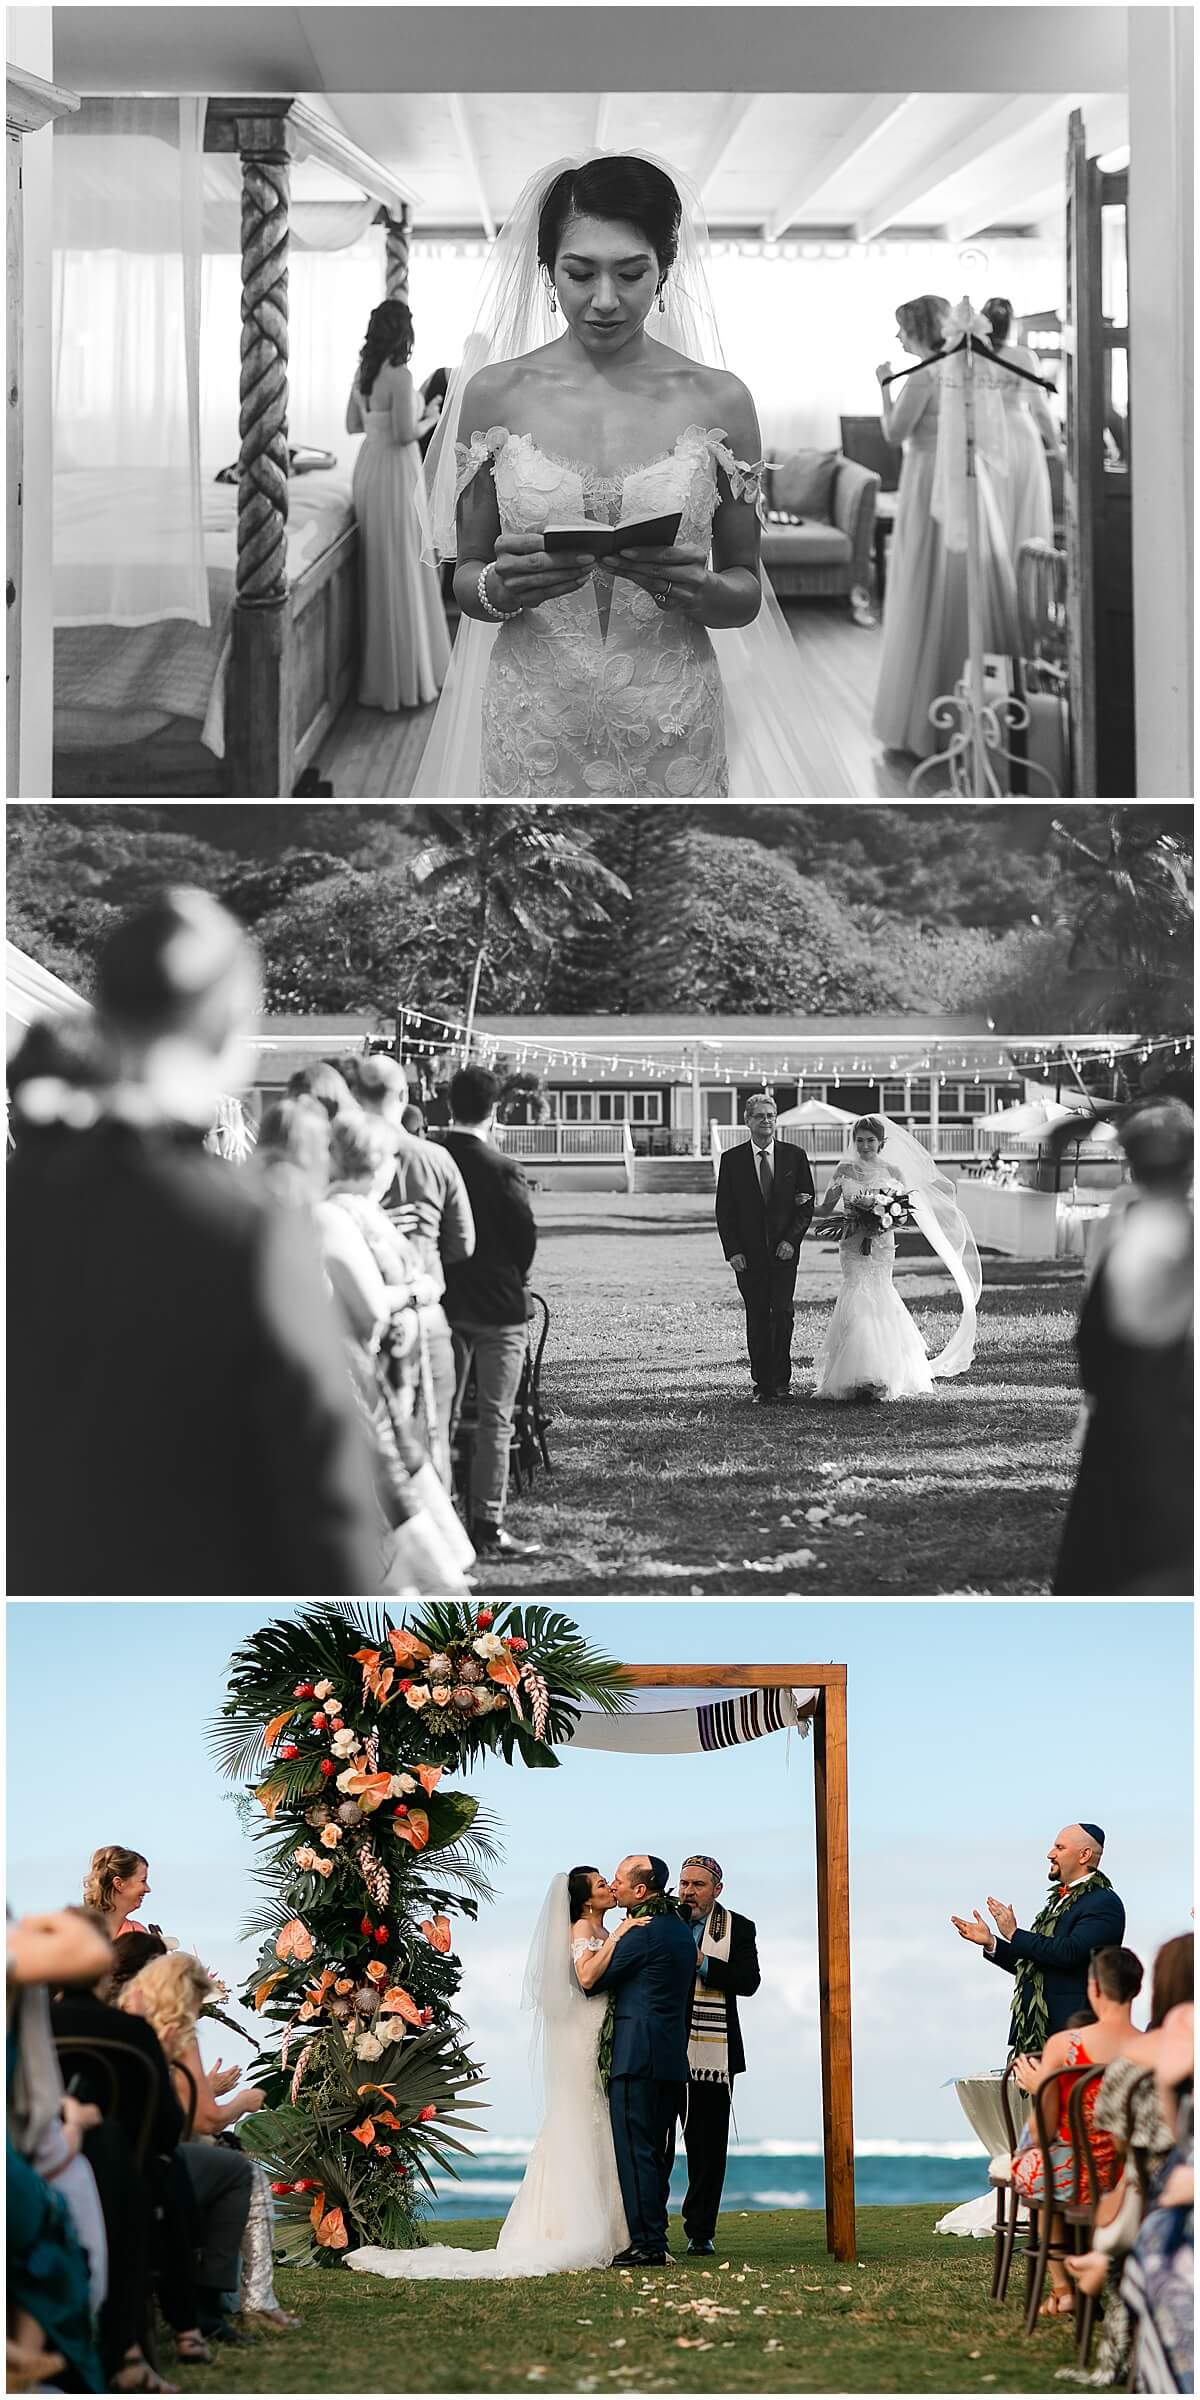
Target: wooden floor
column 370, row 756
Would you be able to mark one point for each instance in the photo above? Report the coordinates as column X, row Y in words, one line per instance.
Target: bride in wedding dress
column 593, row 391
column 568, row 2211
column 872, row 1349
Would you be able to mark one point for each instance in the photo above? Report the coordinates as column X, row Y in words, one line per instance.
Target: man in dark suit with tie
column 652, row 1972
column 1050, row 1962
column 765, row 1202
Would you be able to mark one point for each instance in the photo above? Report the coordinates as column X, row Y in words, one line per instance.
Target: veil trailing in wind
column 937, row 1214
column 774, row 739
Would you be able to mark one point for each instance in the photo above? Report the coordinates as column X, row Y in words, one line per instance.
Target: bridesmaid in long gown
column 1023, row 495
column 405, row 645
column 925, row 612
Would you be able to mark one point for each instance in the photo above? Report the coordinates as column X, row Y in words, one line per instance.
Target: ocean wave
column 482, row 2187
column 499, row 2151
column 781, row 2199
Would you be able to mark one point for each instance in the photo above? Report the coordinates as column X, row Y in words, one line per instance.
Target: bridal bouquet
column 872, row 1213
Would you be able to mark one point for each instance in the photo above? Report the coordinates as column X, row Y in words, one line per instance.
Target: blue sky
column 976, row 1730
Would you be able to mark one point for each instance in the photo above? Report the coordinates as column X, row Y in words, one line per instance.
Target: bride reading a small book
column 599, row 490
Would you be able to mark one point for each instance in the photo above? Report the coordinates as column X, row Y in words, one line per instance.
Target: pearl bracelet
column 499, row 615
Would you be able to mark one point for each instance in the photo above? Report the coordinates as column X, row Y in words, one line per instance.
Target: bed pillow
column 802, row 484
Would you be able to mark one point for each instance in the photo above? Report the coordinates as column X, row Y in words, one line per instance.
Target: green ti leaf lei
column 1030, row 2029
column 659, row 1904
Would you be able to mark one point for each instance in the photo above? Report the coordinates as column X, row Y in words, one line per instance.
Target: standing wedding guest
column 427, row 1198
column 925, row 609
column 405, row 646
column 291, row 1155
column 116, row 1883
column 486, row 1302
column 765, row 1201
column 183, row 1422
column 1023, row 496
column 1130, row 1522
column 321, row 1082
column 433, row 397
column 1049, row 1963
column 727, row 1970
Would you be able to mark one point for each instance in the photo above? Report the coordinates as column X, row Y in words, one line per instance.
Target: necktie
column 764, row 1176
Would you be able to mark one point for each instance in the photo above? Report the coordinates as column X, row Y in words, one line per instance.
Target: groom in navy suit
column 652, row 1976
column 765, row 1202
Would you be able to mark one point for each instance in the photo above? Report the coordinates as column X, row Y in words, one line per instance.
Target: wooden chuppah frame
column 833, row 1903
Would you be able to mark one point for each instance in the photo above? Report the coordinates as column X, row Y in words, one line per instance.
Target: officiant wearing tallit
column 726, row 1969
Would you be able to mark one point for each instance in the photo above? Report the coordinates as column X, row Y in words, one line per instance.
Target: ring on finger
column 662, row 595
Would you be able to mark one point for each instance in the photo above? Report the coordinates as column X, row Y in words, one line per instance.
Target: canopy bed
column 215, row 653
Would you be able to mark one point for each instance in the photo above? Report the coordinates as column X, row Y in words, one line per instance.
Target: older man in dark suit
column 727, row 1970
column 1050, row 1961
column 765, row 1202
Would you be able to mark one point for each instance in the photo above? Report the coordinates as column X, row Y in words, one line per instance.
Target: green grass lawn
column 667, row 1478
column 771, row 2313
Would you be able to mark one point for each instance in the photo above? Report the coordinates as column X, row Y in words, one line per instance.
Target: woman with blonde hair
column 116, row 1883
column 232, row 2192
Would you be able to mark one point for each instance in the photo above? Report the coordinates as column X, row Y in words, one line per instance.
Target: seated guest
column 1158, row 2285
column 1049, row 1963
column 170, row 1993
column 56, row 2243
column 486, row 1301
column 115, row 1884
column 1114, row 1981
column 186, row 1374
column 1128, row 2107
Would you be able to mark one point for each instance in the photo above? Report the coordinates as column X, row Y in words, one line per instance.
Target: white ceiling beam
column 997, row 125
column 724, row 134
column 865, row 126
column 470, row 156
column 1023, row 200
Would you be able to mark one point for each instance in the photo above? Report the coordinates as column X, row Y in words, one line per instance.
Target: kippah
column 659, row 1873
column 711, row 1865
column 1094, row 1833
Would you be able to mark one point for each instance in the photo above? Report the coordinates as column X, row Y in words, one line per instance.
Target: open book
column 633, row 533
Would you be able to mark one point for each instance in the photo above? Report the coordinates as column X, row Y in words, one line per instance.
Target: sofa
column 819, row 529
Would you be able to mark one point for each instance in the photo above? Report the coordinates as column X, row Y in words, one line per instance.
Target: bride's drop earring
column 553, row 300
column 662, row 306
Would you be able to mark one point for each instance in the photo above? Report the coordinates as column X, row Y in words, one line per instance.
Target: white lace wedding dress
column 568, row 2212
column 872, row 1348
column 602, row 694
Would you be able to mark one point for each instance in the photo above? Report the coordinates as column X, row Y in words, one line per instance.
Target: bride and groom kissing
column 634, row 2028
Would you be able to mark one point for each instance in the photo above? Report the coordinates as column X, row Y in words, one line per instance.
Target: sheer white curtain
column 128, row 223
column 331, row 293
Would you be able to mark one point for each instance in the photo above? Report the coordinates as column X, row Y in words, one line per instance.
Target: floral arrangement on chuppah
column 346, row 1727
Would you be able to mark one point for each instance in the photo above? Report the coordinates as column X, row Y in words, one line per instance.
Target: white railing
column 829, row 1141
column 556, row 1140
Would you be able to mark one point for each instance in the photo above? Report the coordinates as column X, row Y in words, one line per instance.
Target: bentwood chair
column 1041, row 2246
column 529, row 1446
column 1079, row 2213
column 1008, row 2199
column 118, row 2077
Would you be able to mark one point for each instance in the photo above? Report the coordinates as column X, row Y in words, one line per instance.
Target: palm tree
column 1127, row 905
column 523, row 871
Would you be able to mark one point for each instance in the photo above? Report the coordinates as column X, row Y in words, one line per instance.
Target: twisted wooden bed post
column 262, row 711
column 397, row 236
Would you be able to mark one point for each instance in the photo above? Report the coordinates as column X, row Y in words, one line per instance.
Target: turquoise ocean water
column 761, row 2175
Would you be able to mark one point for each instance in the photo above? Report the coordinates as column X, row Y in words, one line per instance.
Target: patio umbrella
column 816, row 1112
column 1029, row 1116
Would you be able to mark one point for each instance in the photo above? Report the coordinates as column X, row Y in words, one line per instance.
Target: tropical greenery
column 841, row 909
column 342, row 1728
